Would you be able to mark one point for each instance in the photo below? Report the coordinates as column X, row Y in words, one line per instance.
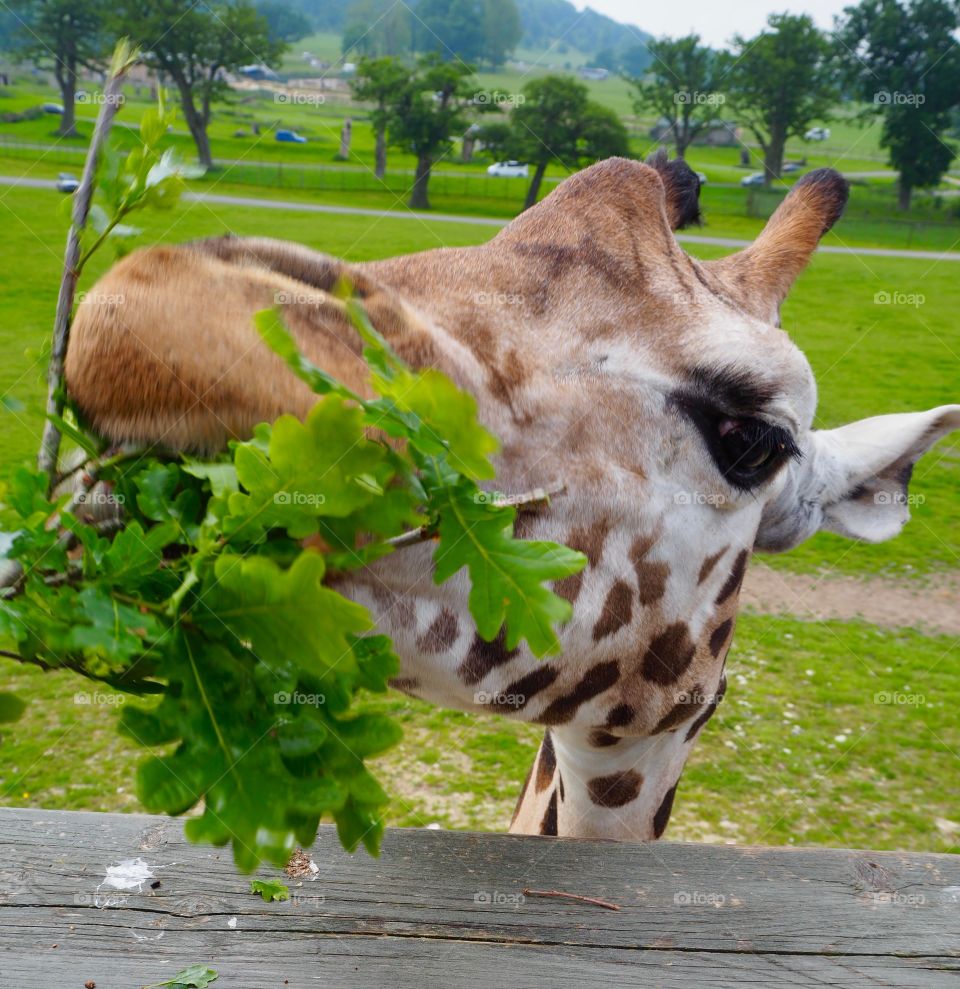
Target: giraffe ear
column 762, row 274
column 853, row 480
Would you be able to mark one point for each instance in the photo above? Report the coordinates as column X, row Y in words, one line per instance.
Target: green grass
column 800, row 752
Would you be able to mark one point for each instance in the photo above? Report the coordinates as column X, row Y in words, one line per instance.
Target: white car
column 817, row 134
column 752, row 180
column 509, row 170
column 67, row 182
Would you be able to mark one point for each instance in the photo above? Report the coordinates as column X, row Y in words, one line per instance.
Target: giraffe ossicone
column 659, row 388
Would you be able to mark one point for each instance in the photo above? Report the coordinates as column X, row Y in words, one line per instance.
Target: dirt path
column 932, row 605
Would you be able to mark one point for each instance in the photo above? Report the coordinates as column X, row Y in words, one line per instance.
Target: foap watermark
column 883, row 97
column 685, row 97
column 101, row 496
column 300, row 99
column 899, row 698
column 494, row 898
column 98, row 697
column 307, row 899
column 497, row 299
column 100, row 99
column 500, row 700
column 896, row 298
column 696, row 698
column 311, row 499
column 493, row 97
column 897, row 899
column 285, row 298
column 698, row 898
column 498, row 498
column 96, row 298
column 713, row 498
column 299, row 697
column 898, row 498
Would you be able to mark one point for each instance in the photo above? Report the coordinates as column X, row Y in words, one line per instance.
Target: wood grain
column 446, row 909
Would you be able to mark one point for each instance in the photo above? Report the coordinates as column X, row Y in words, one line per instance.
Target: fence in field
column 446, row 180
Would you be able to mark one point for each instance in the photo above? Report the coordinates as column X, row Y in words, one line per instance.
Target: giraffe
column 660, row 390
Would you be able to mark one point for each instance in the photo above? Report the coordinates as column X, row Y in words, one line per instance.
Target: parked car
column 509, row 170
column 748, row 181
column 67, row 182
column 290, row 137
column 790, row 166
column 817, row 134
column 56, row 108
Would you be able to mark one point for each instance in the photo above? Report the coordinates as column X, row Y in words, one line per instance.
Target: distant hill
column 545, row 22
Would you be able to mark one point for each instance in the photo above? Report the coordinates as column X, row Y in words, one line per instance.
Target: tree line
column 897, row 59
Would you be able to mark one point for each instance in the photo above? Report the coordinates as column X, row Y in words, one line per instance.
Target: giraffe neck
column 624, row 791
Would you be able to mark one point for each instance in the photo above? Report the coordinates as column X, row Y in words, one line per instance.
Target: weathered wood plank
column 294, row 961
column 450, row 906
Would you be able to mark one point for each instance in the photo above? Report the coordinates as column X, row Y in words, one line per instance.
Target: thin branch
column 112, row 98
column 557, row 894
column 526, row 502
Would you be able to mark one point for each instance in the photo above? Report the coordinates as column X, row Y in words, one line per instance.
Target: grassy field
column 831, row 734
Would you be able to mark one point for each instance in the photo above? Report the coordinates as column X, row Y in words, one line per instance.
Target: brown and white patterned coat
column 658, row 388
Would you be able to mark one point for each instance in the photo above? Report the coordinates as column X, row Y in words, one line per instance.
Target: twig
column 557, row 894
column 50, row 443
column 522, row 503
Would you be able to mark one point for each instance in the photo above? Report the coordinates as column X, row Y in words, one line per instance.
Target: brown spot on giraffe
column 719, row 637
column 601, row 739
column 516, row 695
column 617, row 611
column 546, row 764
column 588, row 541
column 441, row 634
column 708, row 711
column 735, row 579
column 595, row 681
column 615, row 790
column 548, row 826
column 662, row 816
column 669, row 655
column 485, row 656
column 709, row 563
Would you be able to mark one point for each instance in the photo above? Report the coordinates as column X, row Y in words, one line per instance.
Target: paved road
column 252, row 202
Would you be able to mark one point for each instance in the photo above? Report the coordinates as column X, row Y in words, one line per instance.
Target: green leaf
column 285, row 615
column 194, row 977
column 507, row 575
column 269, row 889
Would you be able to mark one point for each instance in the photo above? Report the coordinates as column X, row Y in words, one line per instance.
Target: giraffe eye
column 748, row 450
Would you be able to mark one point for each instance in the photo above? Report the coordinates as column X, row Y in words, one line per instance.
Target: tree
column 377, row 81
column 779, row 83
column 426, row 111
column 502, row 30
column 453, row 28
column 683, row 87
column 194, row 45
column 377, row 27
column 70, row 36
column 284, row 22
column 902, row 59
column 471, row 30
column 556, row 122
